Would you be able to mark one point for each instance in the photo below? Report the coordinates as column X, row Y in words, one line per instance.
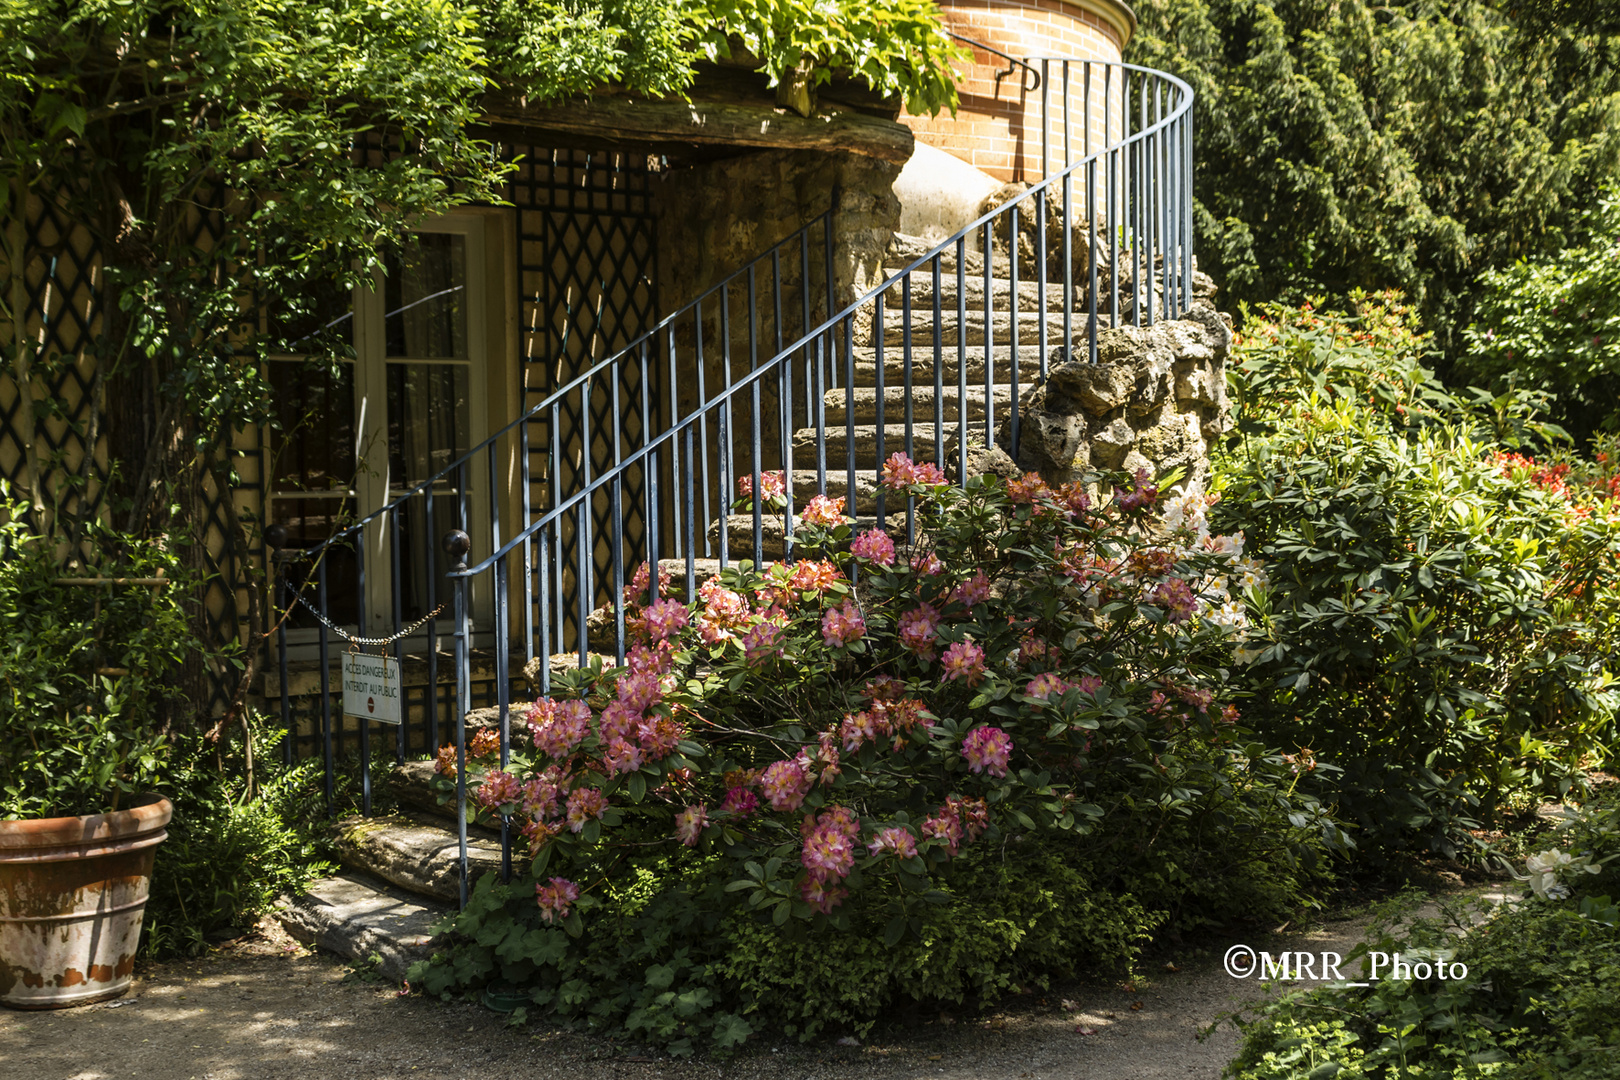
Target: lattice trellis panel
column 587, row 266
column 52, row 444
column 46, row 425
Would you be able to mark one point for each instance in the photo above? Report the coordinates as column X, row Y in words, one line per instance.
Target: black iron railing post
column 456, row 545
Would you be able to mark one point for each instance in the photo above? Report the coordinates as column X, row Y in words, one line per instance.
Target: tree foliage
column 1554, row 323
column 1409, row 145
column 235, row 161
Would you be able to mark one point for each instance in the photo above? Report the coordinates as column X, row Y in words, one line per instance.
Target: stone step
column 359, row 916
column 740, row 535
column 950, row 329
column 922, row 403
column 412, row 785
column 866, row 444
column 905, row 250
column 922, row 294
column 922, row 364
column 415, row 851
column 806, row 485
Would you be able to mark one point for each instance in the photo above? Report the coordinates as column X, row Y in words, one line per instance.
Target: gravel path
column 264, row 1008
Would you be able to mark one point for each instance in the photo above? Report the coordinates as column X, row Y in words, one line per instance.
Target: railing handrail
column 613, row 474
column 560, row 392
column 1012, row 61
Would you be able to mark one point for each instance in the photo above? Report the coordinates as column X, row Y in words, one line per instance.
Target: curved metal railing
column 638, row 457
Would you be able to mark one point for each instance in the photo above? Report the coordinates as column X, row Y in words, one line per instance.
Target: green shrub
column 1441, row 612
column 1537, row 1000
column 934, row 762
column 86, row 672
column 230, row 851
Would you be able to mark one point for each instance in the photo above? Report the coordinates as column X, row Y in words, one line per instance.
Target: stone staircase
column 958, row 404
column 401, row 871
column 400, row 877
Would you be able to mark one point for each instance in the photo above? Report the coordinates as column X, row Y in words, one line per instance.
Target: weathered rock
column 1110, row 445
column 981, row 459
column 415, row 852
column 1041, row 220
column 359, row 918
column 1051, row 441
column 1155, row 400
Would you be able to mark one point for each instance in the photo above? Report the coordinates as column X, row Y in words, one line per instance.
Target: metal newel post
column 456, row 545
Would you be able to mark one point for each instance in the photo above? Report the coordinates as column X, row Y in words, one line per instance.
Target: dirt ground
column 264, row 1007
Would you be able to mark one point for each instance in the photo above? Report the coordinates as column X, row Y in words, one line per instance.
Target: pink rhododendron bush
column 889, row 772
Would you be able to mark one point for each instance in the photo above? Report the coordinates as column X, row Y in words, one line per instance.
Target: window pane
column 312, row 321
column 425, row 294
column 314, row 448
column 310, row 521
column 429, row 413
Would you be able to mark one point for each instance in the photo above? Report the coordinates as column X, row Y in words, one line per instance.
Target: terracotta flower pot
column 72, row 895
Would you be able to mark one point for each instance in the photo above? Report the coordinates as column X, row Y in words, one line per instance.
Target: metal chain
column 345, row 635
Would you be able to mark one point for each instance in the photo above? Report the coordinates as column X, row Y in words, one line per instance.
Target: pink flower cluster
column 988, row 750
column 558, row 727
column 927, row 563
column 1027, row 490
column 958, row 818
column 664, row 619
column 822, row 511
column 917, row 630
column 898, row 840
column 1177, row 599
column 828, row 856
column 724, row 612
column 975, row 590
column 900, row 472
column 765, row 639
column 944, row 826
column 772, row 485
column 541, row 793
column 498, row 789
column 881, row 719
column 874, row 546
column 584, row 805
column 636, row 592
column 1142, row 495
column 740, row 801
column 842, row 625
column 1034, row 652
column 785, row 784
column 963, row 660
column 554, row 898
column 1047, row 685
column 486, row 742
column 814, row 575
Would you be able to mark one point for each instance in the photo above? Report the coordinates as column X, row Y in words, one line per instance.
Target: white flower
column 1231, row 616
column 1247, row 654
column 1546, row 867
column 1229, row 546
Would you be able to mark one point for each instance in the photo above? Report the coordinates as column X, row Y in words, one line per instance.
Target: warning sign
column 371, row 687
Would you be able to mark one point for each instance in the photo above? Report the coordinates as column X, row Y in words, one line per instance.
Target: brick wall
column 998, row 127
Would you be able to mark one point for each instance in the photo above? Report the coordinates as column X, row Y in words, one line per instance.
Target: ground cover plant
column 887, row 775
column 246, row 829
column 1443, row 611
column 1537, row 999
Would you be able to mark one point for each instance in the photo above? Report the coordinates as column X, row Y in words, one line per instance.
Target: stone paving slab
column 357, row 916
